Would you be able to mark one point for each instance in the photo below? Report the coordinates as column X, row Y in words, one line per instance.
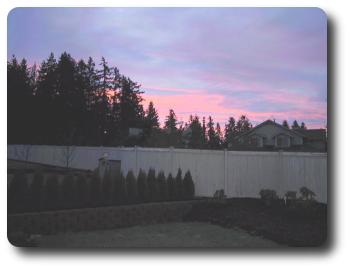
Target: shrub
column 119, row 194
column 268, row 196
column 142, row 187
column 188, row 186
column 95, row 190
column 68, row 196
column 107, row 189
column 37, row 192
column 18, row 193
column 163, row 187
column 171, row 187
column 178, row 185
column 131, row 187
column 307, row 194
column 82, row 191
column 52, row 192
column 153, row 185
column 291, row 195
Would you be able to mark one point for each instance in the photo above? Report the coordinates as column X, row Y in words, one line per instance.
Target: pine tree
column 170, row 122
column 243, row 124
column 303, row 126
column 179, row 185
column 82, row 187
column 211, row 133
column 131, row 187
column 153, row 185
column 37, row 192
column 52, row 193
column 230, row 132
column 142, row 187
column 18, row 193
column 285, row 124
column 68, row 194
column 188, row 186
column 163, row 187
column 295, row 125
column 218, row 136
column 151, row 120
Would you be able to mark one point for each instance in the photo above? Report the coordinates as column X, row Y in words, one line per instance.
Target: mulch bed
column 297, row 223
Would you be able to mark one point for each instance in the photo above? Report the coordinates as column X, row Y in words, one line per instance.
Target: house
column 270, row 135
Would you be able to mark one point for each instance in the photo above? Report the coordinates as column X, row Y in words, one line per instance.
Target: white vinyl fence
column 239, row 173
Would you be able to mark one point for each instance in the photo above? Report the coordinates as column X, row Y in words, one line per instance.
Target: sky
column 266, row 63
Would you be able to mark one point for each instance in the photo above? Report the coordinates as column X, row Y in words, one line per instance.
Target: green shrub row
column 89, row 190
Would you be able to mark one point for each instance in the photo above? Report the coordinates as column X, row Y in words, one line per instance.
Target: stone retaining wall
column 98, row 218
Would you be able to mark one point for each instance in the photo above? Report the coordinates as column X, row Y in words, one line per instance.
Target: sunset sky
column 261, row 62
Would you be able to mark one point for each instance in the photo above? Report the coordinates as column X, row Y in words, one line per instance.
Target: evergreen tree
column 303, row 126
column 153, row 185
column 82, row 187
column 218, row 135
column 20, row 102
column 171, row 187
column 243, row 124
column 179, row 185
column 188, row 186
column 37, row 192
column 119, row 190
column 107, row 188
column 285, row 124
column 95, row 197
column 18, row 194
column 295, row 125
column 142, row 187
column 211, row 134
column 52, row 193
column 196, row 133
column 163, row 187
column 170, row 122
column 131, row 187
column 68, row 194
column 151, row 120
column 230, row 132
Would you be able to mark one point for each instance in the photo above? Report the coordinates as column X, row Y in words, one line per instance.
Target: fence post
column 225, row 171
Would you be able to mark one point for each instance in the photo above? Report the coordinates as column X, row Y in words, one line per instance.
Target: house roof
column 270, row 122
column 314, row 134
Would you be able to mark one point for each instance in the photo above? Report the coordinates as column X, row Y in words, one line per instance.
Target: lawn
column 173, row 235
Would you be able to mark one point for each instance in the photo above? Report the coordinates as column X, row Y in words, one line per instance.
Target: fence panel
column 241, row 174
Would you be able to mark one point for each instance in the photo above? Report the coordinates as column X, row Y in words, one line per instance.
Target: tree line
column 89, row 190
column 69, row 102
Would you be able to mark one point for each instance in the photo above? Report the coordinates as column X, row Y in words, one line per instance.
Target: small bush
column 153, row 185
column 82, row 191
column 119, row 194
column 188, row 186
column 107, row 189
column 68, row 196
column 95, row 190
column 307, row 194
column 163, row 187
column 178, row 184
column 142, row 187
column 52, row 192
column 37, row 192
column 18, row 193
column 291, row 195
column 268, row 196
column 171, row 187
column 131, row 187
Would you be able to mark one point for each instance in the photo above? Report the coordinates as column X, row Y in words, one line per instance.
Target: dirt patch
column 292, row 225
